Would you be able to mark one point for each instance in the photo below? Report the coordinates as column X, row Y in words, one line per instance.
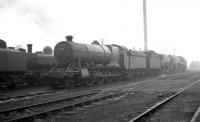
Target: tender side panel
column 137, row 62
column 12, row 61
column 155, row 63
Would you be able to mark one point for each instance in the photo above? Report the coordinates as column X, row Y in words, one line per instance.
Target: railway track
column 176, row 76
column 29, row 95
column 146, row 115
column 45, row 108
column 184, row 76
column 196, row 117
column 9, row 97
column 28, row 113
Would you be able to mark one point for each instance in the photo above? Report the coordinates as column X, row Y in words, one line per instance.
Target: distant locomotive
column 181, row 63
column 171, row 64
column 83, row 64
column 194, row 65
column 17, row 67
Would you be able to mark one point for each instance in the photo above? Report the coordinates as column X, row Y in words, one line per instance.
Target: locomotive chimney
column 69, row 38
column 29, row 46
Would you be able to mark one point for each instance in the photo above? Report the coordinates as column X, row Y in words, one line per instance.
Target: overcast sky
column 172, row 24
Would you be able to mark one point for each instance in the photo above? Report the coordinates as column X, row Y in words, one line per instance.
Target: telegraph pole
column 102, row 41
column 145, row 26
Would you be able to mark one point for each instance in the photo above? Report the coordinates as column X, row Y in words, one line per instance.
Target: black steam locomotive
column 17, row 67
column 75, row 64
column 83, row 64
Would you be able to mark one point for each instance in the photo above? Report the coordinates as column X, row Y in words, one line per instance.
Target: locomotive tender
column 83, row 64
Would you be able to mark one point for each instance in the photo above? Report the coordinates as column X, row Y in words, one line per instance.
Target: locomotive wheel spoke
column 89, row 82
column 100, row 81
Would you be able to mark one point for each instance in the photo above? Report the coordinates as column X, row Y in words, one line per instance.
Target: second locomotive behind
column 18, row 68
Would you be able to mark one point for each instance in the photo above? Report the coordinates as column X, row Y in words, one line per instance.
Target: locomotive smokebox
column 29, row 47
column 69, row 38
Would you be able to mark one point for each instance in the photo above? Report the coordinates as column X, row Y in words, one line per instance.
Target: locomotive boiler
column 67, row 51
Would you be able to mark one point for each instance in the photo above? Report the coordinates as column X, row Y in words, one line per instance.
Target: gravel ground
column 181, row 109
column 142, row 97
column 115, row 110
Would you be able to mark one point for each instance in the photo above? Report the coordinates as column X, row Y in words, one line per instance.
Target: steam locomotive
column 84, row 64
column 172, row 64
column 75, row 64
column 17, row 67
